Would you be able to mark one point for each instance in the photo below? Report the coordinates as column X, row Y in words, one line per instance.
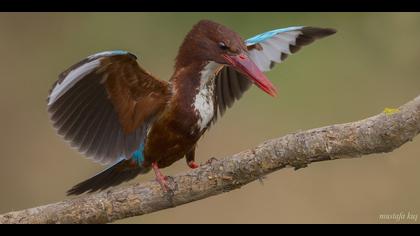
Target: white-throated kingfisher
column 115, row 112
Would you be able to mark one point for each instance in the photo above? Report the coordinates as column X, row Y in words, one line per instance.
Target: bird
column 116, row 113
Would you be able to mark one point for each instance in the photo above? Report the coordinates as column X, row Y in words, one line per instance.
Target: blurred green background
column 371, row 63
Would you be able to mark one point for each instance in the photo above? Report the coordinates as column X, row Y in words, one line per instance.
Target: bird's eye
column 223, row 46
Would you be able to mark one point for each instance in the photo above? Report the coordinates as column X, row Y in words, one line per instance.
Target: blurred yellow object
column 389, row 111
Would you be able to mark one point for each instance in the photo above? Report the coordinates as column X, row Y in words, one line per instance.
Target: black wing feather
column 229, row 87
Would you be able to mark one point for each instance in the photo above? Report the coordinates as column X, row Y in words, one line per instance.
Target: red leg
column 160, row 178
column 190, row 156
column 193, row 164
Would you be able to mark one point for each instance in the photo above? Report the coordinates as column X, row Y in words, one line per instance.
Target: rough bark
column 381, row 133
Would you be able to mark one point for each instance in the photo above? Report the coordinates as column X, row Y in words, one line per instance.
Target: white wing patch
column 272, row 48
column 71, row 79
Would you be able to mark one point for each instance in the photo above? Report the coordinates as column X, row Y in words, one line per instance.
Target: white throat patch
column 203, row 101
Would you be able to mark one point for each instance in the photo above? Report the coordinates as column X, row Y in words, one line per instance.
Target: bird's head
column 209, row 41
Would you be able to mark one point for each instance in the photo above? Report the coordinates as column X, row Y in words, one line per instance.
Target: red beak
column 246, row 66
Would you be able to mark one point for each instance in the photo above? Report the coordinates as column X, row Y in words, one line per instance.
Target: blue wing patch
column 266, row 35
column 119, row 52
column 138, row 155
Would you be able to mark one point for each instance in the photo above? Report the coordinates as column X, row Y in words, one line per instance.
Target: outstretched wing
column 265, row 50
column 274, row 46
column 104, row 104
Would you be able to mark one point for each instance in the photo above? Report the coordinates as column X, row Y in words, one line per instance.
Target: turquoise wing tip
column 119, row 52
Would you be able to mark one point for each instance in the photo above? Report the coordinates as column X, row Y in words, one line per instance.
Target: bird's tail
column 122, row 171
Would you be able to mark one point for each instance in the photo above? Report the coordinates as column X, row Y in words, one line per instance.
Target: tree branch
column 381, row 133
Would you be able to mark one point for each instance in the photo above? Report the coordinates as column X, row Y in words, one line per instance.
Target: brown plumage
column 115, row 112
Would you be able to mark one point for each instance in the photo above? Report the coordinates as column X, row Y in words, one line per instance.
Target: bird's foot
column 193, row 164
column 160, row 178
